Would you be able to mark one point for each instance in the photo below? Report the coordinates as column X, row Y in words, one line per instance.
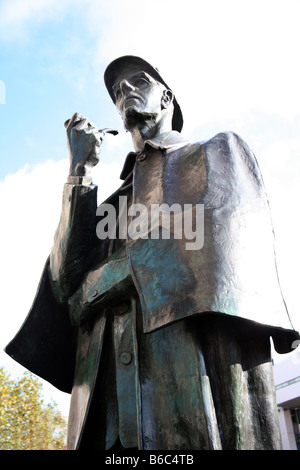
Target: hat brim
column 119, row 66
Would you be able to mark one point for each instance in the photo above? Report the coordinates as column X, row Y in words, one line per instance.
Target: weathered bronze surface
column 161, row 346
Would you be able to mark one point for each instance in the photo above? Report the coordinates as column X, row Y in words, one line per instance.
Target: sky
column 232, row 65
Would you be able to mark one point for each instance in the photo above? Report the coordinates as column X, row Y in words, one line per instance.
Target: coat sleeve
column 75, row 239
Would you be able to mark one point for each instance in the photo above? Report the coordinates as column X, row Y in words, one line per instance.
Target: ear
column 167, row 99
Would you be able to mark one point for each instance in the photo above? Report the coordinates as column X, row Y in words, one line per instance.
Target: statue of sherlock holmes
column 155, row 310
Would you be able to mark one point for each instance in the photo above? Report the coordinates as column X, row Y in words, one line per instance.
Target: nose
column 125, row 85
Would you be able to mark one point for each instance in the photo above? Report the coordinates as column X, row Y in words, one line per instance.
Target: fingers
column 79, row 122
column 69, row 123
column 98, row 135
column 94, row 157
column 93, row 137
column 85, row 125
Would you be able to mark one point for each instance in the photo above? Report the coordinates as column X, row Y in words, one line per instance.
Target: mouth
column 129, row 98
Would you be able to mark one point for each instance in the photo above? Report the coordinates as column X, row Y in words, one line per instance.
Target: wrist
column 83, row 180
column 79, row 175
column 77, row 169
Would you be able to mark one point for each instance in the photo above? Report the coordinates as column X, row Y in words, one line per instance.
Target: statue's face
column 136, row 94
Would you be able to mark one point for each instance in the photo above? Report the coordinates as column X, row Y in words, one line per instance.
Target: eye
column 140, row 82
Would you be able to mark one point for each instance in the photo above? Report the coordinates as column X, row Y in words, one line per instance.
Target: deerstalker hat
column 119, row 66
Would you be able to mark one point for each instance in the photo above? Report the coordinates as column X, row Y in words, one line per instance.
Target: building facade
column 287, row 384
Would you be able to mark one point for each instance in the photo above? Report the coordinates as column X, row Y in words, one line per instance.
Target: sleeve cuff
column 84, row 180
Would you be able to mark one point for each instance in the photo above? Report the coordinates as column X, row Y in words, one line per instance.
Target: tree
column 26, row 422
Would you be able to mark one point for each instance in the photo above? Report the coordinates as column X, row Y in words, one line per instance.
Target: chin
column 134, row 117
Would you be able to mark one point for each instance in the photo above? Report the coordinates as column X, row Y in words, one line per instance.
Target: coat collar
column 167, row 141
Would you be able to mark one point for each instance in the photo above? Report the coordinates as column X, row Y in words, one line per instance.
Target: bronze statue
column 163, row 339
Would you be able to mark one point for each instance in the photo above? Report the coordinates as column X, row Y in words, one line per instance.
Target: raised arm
column 75, row 237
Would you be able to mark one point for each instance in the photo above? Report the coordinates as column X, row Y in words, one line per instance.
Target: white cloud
column 220, row 57
column 19, row 19
column 280, row 165
column 30, row 209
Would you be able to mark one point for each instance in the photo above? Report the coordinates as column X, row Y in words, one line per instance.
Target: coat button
column 142, row 157
column 125, row 358
column 122, row 308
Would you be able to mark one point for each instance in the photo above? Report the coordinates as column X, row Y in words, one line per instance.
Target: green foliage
column 26, row 423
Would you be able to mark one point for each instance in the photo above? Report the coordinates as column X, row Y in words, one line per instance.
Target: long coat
column 234, row 273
